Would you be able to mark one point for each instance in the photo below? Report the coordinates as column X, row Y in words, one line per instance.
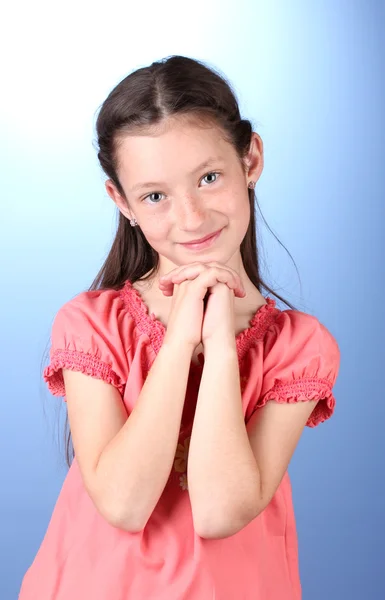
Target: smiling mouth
column 203, row 242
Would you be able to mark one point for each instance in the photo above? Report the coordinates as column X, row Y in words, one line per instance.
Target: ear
column 120, row 202
column 254, row 158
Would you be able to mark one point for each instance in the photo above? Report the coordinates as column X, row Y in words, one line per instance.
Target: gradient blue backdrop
column 311, row 77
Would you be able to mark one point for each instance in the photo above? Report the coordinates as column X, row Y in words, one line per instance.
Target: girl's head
column 183, row 180
column 179, row 158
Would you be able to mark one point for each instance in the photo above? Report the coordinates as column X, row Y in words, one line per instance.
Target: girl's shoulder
column 299, row 347
column 95, row 302
column 295, row 328
column 298, row 339
column 102, row 309
column 93, row 333
column 92, row 314
column 301, row 361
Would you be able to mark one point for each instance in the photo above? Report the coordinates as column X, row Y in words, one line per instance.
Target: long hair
column 170, row 87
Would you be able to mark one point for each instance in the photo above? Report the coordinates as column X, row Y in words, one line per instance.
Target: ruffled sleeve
column 301, row 362
column 86, row 337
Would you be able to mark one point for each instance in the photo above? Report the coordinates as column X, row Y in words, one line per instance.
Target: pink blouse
column 285, row 356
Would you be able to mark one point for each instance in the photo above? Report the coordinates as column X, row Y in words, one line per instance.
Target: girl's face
column 182, row 183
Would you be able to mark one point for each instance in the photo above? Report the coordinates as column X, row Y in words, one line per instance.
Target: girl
column 187, row 390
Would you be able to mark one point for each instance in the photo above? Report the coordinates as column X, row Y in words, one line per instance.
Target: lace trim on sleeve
column 301, row 391
column 78, row 361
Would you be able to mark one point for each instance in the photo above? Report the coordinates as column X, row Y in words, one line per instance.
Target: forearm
column 223, row 476
column 133, row 469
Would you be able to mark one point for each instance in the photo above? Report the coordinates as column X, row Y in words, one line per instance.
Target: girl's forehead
column 174, row 132
column 183, row 147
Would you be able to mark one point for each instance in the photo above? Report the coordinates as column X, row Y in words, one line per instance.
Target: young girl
column 187, row 390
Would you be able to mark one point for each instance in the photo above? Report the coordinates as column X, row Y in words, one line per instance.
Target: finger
column 193, row 266
column 173, row 272
column 167, row 277
column 177, row 276
column 238, row 292
column 234, row 273
column 183, row 275
column 196, row 267
column 169, row 291
column 193, row 270
column 213, row 276
column 220, row 275
column 188, row 274
column 232, row 280
column 178, row 273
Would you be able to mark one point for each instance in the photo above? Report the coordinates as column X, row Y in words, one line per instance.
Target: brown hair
column 170, row 87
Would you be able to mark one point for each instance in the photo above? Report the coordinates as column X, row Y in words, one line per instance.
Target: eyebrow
column 207, row 163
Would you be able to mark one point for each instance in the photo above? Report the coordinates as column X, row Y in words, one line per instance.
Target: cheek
column 237, row 208
column 245, row 213
column 155, row 229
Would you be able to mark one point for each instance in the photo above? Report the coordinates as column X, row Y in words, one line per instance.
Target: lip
column 203, row 242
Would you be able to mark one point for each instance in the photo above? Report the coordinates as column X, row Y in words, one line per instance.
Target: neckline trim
column 151, row 326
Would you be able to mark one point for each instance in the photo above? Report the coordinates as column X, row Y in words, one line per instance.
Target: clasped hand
column 189, row 285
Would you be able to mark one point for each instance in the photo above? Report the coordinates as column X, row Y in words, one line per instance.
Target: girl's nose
column 189, row 213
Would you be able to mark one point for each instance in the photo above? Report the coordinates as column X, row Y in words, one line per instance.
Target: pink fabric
column 285, row 356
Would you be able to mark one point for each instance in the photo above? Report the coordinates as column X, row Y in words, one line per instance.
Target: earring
column 133, row 222
column 251, row 185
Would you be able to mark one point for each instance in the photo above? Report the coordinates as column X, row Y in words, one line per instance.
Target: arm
column 125, row 462
column 234, row 470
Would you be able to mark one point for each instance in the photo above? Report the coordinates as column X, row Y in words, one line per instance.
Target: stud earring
column 133, row 222
column 251, row 185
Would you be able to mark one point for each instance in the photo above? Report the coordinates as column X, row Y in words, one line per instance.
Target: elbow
column 223, row 524
column 125, row 523
column 212, row 533
column 121, row 518
column 123, row 513
column 126, row 512
column 216, row 530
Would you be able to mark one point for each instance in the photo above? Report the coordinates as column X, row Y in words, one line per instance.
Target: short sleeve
column 301, row 362
column 86, row 337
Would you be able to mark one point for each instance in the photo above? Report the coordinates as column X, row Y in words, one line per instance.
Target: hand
column 223, row 274
column 189, row 285
column 219, row 317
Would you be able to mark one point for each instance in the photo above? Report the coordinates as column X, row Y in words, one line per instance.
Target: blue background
column 310, row 75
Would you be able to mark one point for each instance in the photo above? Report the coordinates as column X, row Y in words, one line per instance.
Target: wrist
column 220, row 343
column 177, row 345
column 221, row 359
